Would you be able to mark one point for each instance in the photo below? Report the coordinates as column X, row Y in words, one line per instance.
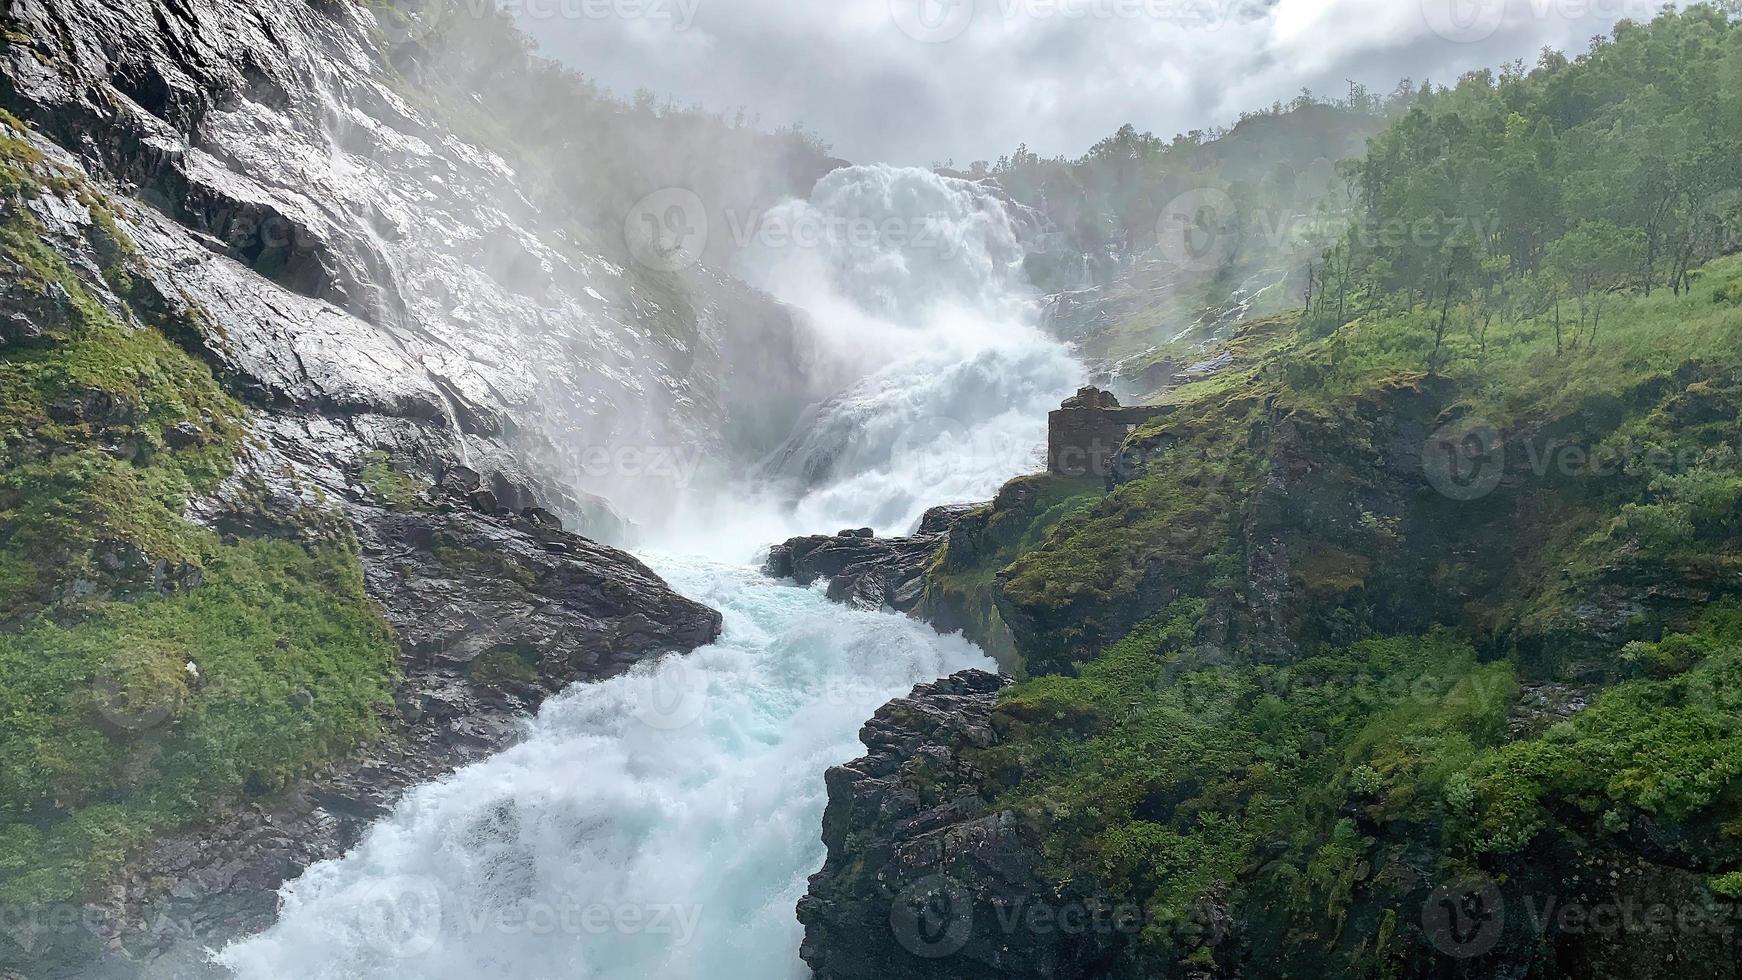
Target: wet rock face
column 332, row 247
column 866, row 571
column 460, row 587
column 324, row 246
column 921, row 880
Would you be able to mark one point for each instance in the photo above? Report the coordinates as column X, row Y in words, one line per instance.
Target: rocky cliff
column 355, row 257
column 1339, row 677
column 296, row 394
column 924, row 878
column 864, row 570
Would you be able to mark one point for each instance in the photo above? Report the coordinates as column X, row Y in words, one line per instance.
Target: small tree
column 1594, row 260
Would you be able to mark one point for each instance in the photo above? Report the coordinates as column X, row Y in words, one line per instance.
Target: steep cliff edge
column 1355, row 670
column 284, row 366
column 924, row 878
column 354, row 256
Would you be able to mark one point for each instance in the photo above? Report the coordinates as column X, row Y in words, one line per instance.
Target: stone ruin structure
column 1086, row 432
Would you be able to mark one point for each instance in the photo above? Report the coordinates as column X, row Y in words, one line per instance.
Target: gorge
column 455, row 523
column 624, row 794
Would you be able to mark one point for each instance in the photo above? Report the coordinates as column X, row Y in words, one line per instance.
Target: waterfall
column 662, row 824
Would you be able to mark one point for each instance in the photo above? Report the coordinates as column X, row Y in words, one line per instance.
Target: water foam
column 662, row 825
column 657, row 825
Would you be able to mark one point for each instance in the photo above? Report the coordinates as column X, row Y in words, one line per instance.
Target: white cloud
column 1056, row 74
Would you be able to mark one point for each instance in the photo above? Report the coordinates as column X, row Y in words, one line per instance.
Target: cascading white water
column 659, row 825
column 662, row 825
column 919, row 279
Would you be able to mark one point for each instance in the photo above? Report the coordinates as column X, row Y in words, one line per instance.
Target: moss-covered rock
column 1365, row 670
column 152, row 670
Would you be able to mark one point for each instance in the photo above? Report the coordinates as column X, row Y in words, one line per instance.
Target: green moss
column 1026, row 511
column 111, row 738
column 150, row 673
column 390, row 485
column 484, row 564
column 506, row 666
column 13, row 146
column 962, row 582
column 83, row 419
column 115, row 250
column 25, row 170
column 1168, row 523
column 1728, row 885
column 1164, row 771
column 1670, row 749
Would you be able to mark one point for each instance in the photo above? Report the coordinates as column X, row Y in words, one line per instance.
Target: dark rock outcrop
column 866, row 571
column 460, row 586
column 922, row 881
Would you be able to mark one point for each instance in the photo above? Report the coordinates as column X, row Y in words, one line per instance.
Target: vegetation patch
column 1666, row 750
column 389, row 484
column 139, row 717
column 151, row 672
column 1286, row 674
column 1166, row 773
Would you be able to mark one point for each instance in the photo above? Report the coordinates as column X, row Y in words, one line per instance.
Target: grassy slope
column 108, row 595
column 1187, row 763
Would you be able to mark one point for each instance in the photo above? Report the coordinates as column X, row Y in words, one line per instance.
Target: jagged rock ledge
column 923, row 879
column 866, row 571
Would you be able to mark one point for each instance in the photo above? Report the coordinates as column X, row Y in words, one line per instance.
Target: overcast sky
column 921, row 81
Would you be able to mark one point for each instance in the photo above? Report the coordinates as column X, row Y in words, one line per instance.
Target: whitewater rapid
column 659, row 825
column 662, row 825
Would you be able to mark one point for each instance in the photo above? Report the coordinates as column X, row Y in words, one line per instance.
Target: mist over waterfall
column 917, row 279
column 897, row 245
column 662, row 825
column 925, row 272
column 945, row 426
